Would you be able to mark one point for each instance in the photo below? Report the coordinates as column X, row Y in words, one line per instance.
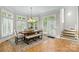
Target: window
column 49, row 24
column 6, row 26
column 21, row 23
column 20, row 26
column 6, row 23
column 20, row 17
column 35, row 23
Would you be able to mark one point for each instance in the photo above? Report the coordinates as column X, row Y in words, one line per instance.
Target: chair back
column 15, row 32
column 19, row 35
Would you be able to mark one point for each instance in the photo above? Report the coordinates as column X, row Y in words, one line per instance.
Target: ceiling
column 36, row 10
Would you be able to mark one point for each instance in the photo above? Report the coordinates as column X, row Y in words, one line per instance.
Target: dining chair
column 19, row 37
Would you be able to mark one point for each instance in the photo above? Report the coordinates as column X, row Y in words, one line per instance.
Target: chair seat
column 20, row 36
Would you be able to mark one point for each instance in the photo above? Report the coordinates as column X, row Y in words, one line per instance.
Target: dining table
column 27, row 33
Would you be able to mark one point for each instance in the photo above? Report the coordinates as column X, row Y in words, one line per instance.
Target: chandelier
column 30, row 19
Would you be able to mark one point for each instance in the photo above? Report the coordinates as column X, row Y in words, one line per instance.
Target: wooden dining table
column 27, row 33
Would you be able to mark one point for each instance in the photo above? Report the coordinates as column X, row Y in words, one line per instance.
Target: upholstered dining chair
column 19, row 37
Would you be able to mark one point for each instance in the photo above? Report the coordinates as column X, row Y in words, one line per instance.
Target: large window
column 49, row 25
column 6, row 23
column 7, row 27
column 20, row 26
column 21, row 23
column 35, row 23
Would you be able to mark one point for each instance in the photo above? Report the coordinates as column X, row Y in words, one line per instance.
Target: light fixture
column 30, row 19
column 69, row 13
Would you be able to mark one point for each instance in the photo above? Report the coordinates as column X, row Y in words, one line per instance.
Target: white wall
column 70, row 17
column 59, row 22
column 58, row 25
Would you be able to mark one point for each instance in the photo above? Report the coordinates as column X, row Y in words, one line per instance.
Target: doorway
column 49, row 25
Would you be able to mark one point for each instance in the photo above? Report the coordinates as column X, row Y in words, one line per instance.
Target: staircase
column 71, row 34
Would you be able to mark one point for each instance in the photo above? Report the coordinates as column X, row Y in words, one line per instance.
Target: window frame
column 21, row 20
column 1, row 27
